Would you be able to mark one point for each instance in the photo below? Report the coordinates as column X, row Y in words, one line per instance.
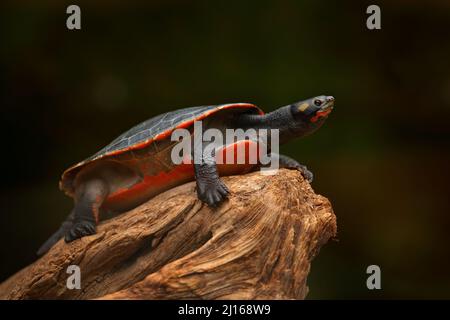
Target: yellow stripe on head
column 303, row 107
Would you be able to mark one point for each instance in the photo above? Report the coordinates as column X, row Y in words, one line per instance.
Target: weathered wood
column 258, row 245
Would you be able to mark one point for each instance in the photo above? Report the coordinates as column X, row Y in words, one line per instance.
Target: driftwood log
column 257, row 245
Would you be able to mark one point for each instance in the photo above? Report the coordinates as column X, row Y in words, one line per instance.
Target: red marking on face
column 320, row 114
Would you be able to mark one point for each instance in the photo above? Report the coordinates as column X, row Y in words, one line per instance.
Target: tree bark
column 257, row 245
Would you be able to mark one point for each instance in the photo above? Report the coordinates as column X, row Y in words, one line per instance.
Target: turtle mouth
column 324, row 111
column 329, row 103
column 326, row 108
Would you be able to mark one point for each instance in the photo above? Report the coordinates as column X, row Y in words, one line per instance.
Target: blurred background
column 382, row 157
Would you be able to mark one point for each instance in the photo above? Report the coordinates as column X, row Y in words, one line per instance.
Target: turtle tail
column 65, row 227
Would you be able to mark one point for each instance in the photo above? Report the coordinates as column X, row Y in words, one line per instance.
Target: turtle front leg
column 210, row 188
column 88, row 199
column 288, row 162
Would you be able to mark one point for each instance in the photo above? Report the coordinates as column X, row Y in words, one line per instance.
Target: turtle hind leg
column 65, row 227
column 89, row 197
column 287, row 162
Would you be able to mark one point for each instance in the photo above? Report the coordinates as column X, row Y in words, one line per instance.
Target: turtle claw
column 213, row 194
column 289, row 163
column 80, row 229
column 308, row 175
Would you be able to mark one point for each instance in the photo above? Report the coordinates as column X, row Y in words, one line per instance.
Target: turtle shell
column 150, row 131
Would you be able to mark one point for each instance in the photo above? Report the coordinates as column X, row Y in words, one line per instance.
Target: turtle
column 138, row 164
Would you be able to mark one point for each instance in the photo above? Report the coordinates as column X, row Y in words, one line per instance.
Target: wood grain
column 258, row 245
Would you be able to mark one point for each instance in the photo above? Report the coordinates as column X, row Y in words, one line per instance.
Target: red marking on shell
column 152, row 185
column 159, row 183
column 182, row 125
column 248, row 148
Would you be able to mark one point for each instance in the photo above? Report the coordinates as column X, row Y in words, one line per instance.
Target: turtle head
column 313, row 110
column 310, row 114
column 293, row 120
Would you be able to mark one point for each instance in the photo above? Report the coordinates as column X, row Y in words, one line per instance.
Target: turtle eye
column 318, row 102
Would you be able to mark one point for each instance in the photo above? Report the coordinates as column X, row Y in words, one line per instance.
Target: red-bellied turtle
column 138, row 165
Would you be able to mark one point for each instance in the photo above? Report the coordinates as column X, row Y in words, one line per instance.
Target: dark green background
column 382, row 158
